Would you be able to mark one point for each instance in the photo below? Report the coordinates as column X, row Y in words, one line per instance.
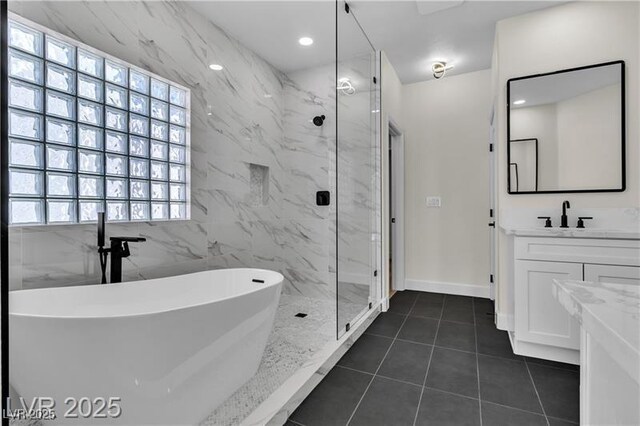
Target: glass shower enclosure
column 356, row 165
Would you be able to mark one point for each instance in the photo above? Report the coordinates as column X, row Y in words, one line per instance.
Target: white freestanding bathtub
column 172, row 349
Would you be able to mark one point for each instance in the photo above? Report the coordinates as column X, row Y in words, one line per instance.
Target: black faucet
column 119, row 249
column 563, row 219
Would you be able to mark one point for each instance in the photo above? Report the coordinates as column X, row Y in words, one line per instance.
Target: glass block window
column 90, row 133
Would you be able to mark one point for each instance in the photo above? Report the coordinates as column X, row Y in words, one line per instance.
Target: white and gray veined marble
column 622, row 223
column 249, row 113
column 610, row 313
column 623, row 234
column 233, row 124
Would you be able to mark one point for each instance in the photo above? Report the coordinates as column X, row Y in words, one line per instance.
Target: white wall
column 577, row 137
column 566, row 36
column 446, row 125
column 588, row 140
column 539, row 122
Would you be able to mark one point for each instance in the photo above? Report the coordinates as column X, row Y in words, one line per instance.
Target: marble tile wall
column 247, row 117
column 236, row 121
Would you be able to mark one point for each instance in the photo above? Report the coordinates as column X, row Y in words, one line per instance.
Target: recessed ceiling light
column 519, row 102
column 305, row 41
column 216, row 67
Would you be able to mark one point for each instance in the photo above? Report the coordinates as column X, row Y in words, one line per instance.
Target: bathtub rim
column 279, row 279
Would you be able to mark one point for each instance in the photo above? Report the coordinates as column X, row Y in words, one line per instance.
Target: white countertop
column 625, row 234
column 608, row 312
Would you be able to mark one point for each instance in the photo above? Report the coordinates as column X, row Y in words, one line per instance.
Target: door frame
column 396, row 202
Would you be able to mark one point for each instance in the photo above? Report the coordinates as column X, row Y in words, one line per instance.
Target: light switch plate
column 433, row 201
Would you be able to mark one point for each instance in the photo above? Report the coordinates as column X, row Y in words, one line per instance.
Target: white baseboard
column 447, row 288
column 384, row 304
column 504, row 322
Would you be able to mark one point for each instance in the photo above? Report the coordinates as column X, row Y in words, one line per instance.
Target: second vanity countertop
column 610, row 313
column 626, row 234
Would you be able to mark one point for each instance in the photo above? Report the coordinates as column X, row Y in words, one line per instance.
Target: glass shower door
column 355, row 169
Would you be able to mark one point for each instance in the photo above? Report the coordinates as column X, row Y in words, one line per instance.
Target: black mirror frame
column 623, row 129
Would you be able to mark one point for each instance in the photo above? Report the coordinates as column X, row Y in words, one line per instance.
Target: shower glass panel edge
column 355, row 168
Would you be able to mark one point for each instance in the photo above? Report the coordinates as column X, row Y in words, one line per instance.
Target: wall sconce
column 440, row 68
column 345, row 86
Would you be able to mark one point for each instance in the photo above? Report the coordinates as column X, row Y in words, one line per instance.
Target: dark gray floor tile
column 402, row 301
column 387, row 403
column 457, row 335
column 507, row 382
column 428, row 305
column 458, row 314
column 421, row 330
column 386, row 324
column 482, row 306
column 367, row 353
column 453, row 371
column 443, row 409
column 428, row 297
column 406, row 361
column 484, row 311
column 559, row 391
column 334, row 399
column 547, row 363
column 458, row 308
column 496, row 415
column 456, row 300
column 492, row 341
column 426, row 310
column 560, row 422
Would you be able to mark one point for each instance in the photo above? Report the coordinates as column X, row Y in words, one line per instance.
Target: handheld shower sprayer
column 102, row 252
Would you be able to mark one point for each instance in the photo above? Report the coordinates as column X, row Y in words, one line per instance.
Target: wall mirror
column 566, row 131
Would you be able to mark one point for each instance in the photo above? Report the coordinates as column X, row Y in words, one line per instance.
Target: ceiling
column 412, row 33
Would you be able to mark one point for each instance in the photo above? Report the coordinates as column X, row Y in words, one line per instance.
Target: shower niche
column 258, row 184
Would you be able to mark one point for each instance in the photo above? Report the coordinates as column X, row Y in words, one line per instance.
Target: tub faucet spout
column 119, row 250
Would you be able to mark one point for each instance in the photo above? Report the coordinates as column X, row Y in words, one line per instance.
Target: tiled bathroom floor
column 439, row 360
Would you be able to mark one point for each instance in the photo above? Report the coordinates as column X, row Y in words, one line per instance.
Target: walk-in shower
column 212, row 131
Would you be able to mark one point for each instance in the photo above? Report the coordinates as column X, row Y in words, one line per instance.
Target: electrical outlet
column 433, row 202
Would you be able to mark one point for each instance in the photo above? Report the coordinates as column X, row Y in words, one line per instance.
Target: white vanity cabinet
column 542, row 327
column 612, row 274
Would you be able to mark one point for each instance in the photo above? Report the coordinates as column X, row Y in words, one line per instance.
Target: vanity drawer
column 579, row 250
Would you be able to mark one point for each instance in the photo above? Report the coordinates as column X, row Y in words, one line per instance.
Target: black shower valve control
column 581, row 220
column 547, row 222
column 323, row 198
